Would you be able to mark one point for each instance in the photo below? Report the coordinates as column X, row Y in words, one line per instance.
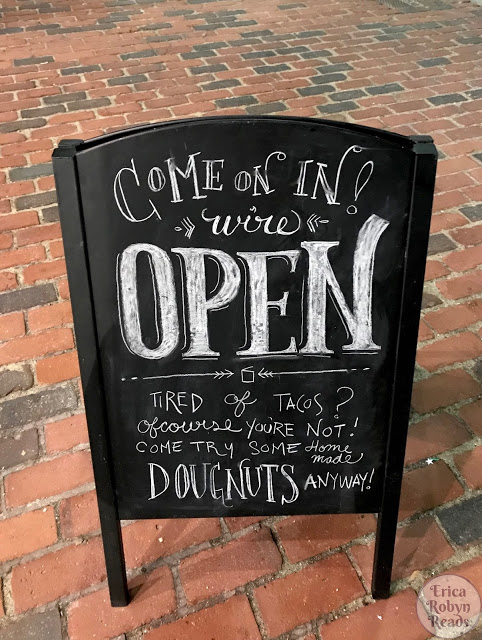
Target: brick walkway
column 79, row 69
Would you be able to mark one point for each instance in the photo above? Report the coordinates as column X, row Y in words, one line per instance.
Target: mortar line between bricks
column 181, row 600
column 357, row 569
column 257, row 614
column 64, row 632
column 447, row 457
column 277, row 540
column 224, row 527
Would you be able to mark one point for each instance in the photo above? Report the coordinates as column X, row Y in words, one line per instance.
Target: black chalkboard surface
column 246, row 295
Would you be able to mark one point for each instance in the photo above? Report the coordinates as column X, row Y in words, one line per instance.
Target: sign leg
column 384, row 548
column 114, row 557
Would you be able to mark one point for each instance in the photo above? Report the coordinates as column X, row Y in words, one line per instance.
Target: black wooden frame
column 79, row 277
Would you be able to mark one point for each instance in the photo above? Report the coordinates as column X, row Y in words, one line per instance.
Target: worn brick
column 450, row 98
column 70, row 71
column 434, row 435
column 60, row 98
column 439, row 243
column 48, row 478
column 193, row 55
column 313, row 55
column 443, row 389
column 299, row 597
column 429, row 300
column 58, row 368
column 18, row 220
column 136, row 79
column 20, row 125
column 306, row 536
column 50, row 214
column 434, row 269
column 434, row 62
column 8, row 280
column 37, row 626
column 418, row 545
column 21, row 256
column 390, row 619
column 347, row 95
column 390, row 87
column 236, row 102
column 12, row 325
column 337, row 108
column 145, row 53
column 231, row 619
column 424, row 331
column 53, row 315
column 26, row 533
column 147, row 540
column 464, row 259
column 36, row 200
column 34, row 346
column 89, row 104
column 470, row 466
column 19, row 62
column 221, row 84
column 316, row 90
column 62, row 435
column 468, row 236
column 12, row 380
column 79, row 515
column 271, row 68
column 455, row 317
column 427, row 487
column 46, row 579
column 461, row 286
column 311, row 34
column 252, row 55
column 473, row 212
column 208, row 68
column 471, row 414
column 334, row 68
column 459, row 521
column 42, row 111
column 449, row 350
column 241, row 522
column 269, row 107
column 18, row 449
column 36, row 406
column 28, row 173
column 221, row 569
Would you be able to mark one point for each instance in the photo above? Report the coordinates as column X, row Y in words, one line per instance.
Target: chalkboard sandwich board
column 246, row 295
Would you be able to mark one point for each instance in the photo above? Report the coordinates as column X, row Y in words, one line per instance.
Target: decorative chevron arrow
column 314, row 221
column 264, row 373
column 217, row 375
column 187, row 226
column 223, row 374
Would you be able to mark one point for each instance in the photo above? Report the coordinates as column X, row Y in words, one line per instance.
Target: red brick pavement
column 80, row 69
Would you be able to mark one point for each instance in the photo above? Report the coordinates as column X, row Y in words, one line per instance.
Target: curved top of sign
column 397, row 140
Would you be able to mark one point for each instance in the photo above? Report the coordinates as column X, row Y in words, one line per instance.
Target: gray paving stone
column 36, row 406
column 27, row 298
column 463, row 521
column 12, row 380
column 36, row 626
column 18, row 449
